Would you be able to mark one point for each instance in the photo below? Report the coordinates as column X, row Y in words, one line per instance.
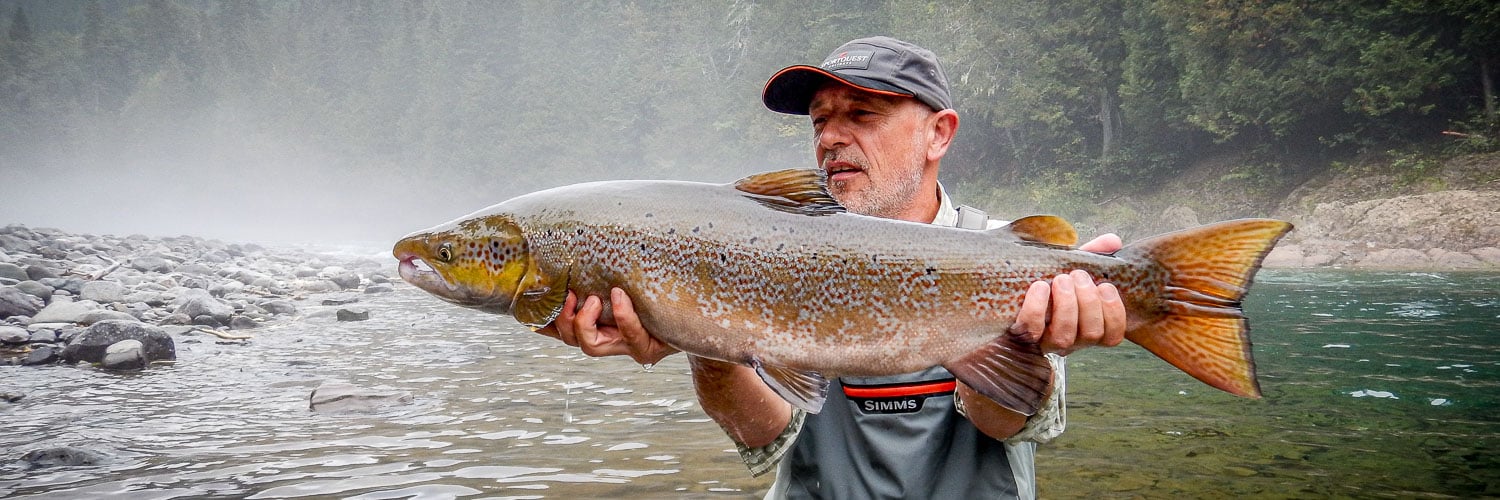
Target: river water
column 1376, row 385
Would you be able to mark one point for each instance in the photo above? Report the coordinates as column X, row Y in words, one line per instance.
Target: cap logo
column 854, row 59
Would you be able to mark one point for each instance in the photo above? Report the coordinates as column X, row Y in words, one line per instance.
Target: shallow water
column 1376, row 385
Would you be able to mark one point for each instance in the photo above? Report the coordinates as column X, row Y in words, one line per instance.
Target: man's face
column 872, row 146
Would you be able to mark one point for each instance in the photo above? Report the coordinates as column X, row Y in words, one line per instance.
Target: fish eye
column 445, row 252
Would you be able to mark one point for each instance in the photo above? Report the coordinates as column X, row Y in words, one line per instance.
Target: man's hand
column 1082, row 314
column 580, row 327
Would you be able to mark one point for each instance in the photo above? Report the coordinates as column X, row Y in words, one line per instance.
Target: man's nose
column 833, row 135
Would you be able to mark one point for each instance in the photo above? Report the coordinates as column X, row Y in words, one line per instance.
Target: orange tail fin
column 1208, row 270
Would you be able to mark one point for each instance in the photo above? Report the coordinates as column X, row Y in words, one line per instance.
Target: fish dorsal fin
column 539, row 298
column 799, row 191
column 803, row 389
column 1047, row 229
column 1012, row 373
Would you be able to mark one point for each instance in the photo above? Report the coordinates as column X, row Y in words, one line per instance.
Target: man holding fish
column 882, row 120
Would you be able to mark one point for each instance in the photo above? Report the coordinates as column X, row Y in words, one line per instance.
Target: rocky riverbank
column 123, row 302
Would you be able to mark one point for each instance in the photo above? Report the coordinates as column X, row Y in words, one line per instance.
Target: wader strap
column 972, row 218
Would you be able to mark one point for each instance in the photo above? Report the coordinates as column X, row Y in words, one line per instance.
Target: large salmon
column 771, row 272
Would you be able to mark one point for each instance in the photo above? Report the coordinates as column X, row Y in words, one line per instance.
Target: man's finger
column 1105, row 243
column 1115, row 319
column 1063, row 329
column 1031, row 321
column 564, row 322
column 1090, row 312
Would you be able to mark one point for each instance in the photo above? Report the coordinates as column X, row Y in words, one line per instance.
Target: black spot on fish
column 648, row 215
column 672, row 231
column 580, row 231
column 931, row 271
column 696, row 229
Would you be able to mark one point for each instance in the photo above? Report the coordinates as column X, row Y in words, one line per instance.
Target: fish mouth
column 418, row 272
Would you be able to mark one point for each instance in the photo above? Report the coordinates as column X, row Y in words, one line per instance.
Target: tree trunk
column 1107, row 123
column 1489, row 89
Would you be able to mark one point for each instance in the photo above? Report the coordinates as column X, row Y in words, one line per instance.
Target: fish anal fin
column 539, row 298
column 798, row 191
column 1048, row 229
column 803, row 389
column 1014, row 374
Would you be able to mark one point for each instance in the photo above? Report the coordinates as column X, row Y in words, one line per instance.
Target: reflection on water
column 1376, row 385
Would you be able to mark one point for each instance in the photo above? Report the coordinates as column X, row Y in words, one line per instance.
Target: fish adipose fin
column 1014, row 374
column 1047, row 229
column 799, row 191
column 539, row 298
column 1202, row 329
column 803, row 389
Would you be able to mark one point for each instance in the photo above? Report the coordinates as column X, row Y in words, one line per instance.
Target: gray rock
column 226, row 288
column 378, row 289
column 128, row 354
column 281, row 307
column 340, row 301
column 1487, row 255
column 15, row 302
column 353, row 314
column 14, row 335
column 12, row 271
column 63, row 455
column 14, row 244
column 152, row 264
column 206, row 320
column 104, row 315
column 102, row 292
column 37, row 272
column 177, row 319
column 242, row 323
column 90, row 345
column 60, row 311
column 344, row 278
column 36, row 289
column 44, row 336
column 207, row 306
column 41, row 355
column 343, row 396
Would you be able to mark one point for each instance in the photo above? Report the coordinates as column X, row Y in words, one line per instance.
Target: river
column 1376, row 385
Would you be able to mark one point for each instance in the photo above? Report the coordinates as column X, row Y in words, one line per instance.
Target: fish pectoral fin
column 539, row 299
column 803, row 389
column 799, row 191
column 1014, row 374
column 1048, row 229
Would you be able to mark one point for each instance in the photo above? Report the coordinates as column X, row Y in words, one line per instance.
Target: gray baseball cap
column 879, row 64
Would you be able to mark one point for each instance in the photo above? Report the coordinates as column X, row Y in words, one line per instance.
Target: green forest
column 471, row 101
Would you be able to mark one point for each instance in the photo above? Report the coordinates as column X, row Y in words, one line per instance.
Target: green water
column 1376, row 385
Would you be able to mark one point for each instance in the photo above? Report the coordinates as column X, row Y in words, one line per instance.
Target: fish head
column 477, row 263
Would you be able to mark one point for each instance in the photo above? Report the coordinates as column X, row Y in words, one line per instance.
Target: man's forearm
column 735, row 397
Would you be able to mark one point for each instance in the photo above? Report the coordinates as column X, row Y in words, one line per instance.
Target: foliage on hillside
column 1068, row 103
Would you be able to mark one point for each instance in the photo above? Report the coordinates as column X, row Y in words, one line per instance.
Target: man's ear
column 941, row 128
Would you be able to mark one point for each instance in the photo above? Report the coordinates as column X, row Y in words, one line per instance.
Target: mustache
column 841, row 155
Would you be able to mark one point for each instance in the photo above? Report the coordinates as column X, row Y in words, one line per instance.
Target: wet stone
column 12, row 271
column 91, row 345
column 353, row 314
column 15, row 302
column 42, row 355
column 127, row 354
column 14, row 335
column 62, row 455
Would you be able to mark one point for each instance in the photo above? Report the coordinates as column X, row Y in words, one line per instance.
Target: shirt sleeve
column 763, row 459
column 1050, row 421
